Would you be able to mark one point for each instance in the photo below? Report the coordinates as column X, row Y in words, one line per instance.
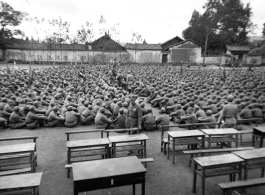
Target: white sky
column 156, row 20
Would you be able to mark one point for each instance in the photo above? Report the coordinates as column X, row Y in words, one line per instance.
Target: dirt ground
column 162, row 176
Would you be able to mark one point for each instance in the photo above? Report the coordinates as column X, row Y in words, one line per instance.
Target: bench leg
column 133, row 189
column 165, row 148
column 262, row 172
column 203, row 181
column 194, row 178
column 191, row 156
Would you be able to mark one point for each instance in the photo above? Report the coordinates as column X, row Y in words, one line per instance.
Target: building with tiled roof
column 144, row 52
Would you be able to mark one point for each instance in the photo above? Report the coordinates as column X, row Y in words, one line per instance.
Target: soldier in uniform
column 229, row 114
column 15, row 120
column 134, row 114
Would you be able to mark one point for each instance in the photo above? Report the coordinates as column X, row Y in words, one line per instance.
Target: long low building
column 102, row 50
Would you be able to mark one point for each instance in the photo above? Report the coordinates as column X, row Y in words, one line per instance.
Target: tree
column 224, row 22
column 263, row 31
column 86, row 33
column 9, row 19
column 59, row 33
column 136, row 39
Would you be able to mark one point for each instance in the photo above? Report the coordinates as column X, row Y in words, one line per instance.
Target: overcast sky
column 156, row 20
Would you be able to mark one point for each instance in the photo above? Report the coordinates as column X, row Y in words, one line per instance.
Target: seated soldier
column 120, row 121
column 101, row 120
column 54, row 120
column 3, row 122
column 245, row 113
column 190, row 117
column 257, row 113
column 34, row 120
column 87, row 116
column 175, row 116
column 149, row 122
column 208, row 119
column 144, row 111
column 71, row 117
column 15, row 120
column 162, row 120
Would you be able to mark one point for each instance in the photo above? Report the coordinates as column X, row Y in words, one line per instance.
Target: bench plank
column 18, row 138
column 14, row 171
column 204, row 151
column 20, row 181
column 243, row 183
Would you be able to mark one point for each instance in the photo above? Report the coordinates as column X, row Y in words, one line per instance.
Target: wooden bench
column 142, row 160
column 18, row 159
column 210, row 151
column 84, row 131
column 251, row 120
column 21, row 182
column 121, row 130
column 165, row 141
column 229, row 188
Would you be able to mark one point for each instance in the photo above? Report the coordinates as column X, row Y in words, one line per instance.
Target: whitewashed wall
column 143, row 56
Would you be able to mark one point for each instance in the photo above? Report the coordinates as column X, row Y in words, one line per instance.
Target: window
column 57, row 57
column 39, row 57
column 65, row 58
column 49, row 57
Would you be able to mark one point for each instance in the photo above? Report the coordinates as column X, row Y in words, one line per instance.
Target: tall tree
column 224, row 22
column 9, row 20
column 86, row 33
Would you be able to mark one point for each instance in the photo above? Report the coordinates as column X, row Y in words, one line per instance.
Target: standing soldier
column 134, row 114
column 129, row 81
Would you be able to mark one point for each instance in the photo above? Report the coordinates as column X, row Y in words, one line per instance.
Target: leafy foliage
column 9, row 19
column 225, row 22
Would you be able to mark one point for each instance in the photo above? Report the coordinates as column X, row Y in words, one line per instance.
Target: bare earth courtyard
column 162, row 176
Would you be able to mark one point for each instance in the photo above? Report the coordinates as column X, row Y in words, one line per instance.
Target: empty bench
column 29, row 181
column 18, row 158
column 212, row 151
column 229, row 188
column 121, row 131
column 165, row 141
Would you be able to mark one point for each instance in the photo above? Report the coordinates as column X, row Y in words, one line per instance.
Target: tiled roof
column 238, row 48
column 182, row 42
column 257, row 51
column 143, row 46
column 46, row 46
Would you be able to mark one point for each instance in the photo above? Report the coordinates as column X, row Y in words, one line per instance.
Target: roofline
column 179, row 43
column 171, row 39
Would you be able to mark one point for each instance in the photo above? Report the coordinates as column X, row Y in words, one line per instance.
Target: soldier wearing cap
column 229, row 114
column 54, row 120
column 71, row 117
column 120, row 121
column 87, row 116
column 15, row 120
column 34, row 120
column 208, row 119
column 101, row 120
column 149, row 123
column 190, row 117
column 134, row 114
column 245, row 113
column 176, row 115
column 162, row 120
